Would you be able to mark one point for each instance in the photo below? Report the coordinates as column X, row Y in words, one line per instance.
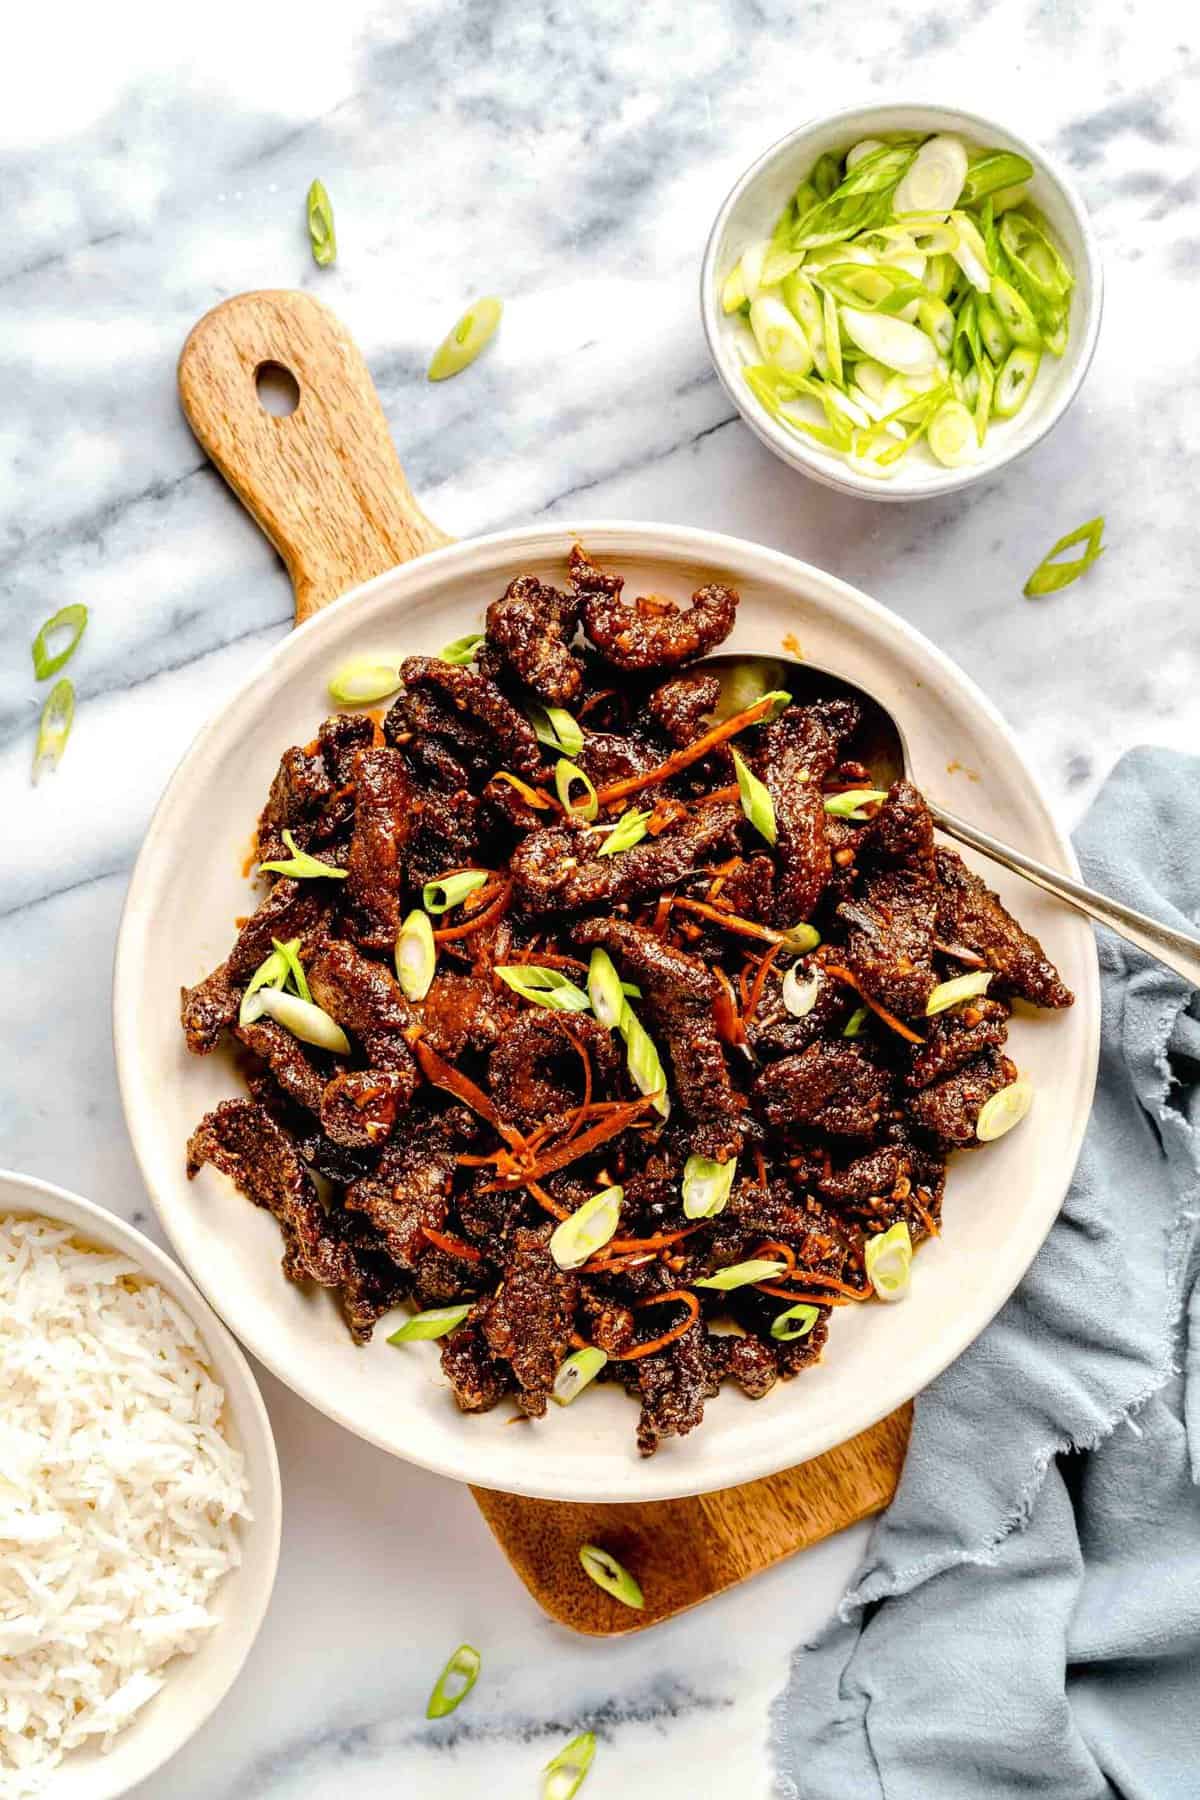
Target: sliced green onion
column 890, row 341
column 1055, row 333
column 934, row 179
column 1014, row 316
column 1004, row 1110
column 706, row 1186
column 751, row 266
column 970, row 253
column 463, row 650
column 938, row 322
column 563, row 1775
column 362, row 681
column 850, row 804
column 629, row 830
column 1013, row 384
column 796, row 1322
column 994, row 170
column 605, row 989
column 54, row 727
column 455, row 1682
column 800, row 294
column 757, row 804
column 864, row 147
column 588, row 1229
column 575, row 1372
column 733, row 290
column 801, row 937
column 643, row 1062
column 743, row 1274
column 321, row 234
column 882, row 170
column 293, row 966
column 800, row 996
column 1051, row 575
column 557, row 728
column 271, row 973
column 993, row 333
column 961, row 987
column 71, row 619
column 568, row 775
column 451, row 890
column 856, row 1021
column 831, row 338
column 302, row 866
column 462, row 345
column 416, row 955
column 1034, row 258
column 889, row 1262
column 603, row 1568
column 545, row 987
column 941, row 272
column 780, row 336
column 825, row 175
column 950, row 434
column 434, row 1322
column 304, row 1020
column 983, row 399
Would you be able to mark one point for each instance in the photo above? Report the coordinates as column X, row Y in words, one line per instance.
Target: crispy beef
column 799, row 749
column 529, row 1320
column 835, row 1088
column 948, row 1109
column 889, row 940
column 674, row 1383
column 557, row 870
column 477, row 1380
column 299, row 794
column 291, row 909
column 489, row 722
column 300, row 1071
column 536, row 1069
column 365, row 999
column 900, row 836
column 409, row 1190
column 529, row 631
column 359, row 1108
column 969, row 913
column 680, row 706
column 956, row 1037
column 652, row 633
column 383, row 800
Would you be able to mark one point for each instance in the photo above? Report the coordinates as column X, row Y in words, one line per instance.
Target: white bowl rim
column 106, row 1229
column 826, row 469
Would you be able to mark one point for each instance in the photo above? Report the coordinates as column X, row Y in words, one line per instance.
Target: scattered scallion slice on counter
column 463, row 650
column 451, row 890
column 416, row 955
column 434, row 1322
column 856, row 1021
column 850, row 804
column 888, row 1258
column 1051, row 574
column 605, row 989
column 304, row 1020
column 271, row 973
column 743, row 1274
column 960, row 987
column 796, row 1322
column 564, row 1774
column 800, row 992
column 706, row 1186
column 294, row 968
column 302, row 866
column 1004, row 1110
column 757, row 804
column 643, row 1061
column 54, row 727
column 321, row 233
column 567, row 777
column 462, row 345
column 545, row 987
column 362, row 681
column 455, row 1682
column 46, row 662
column 602, row 1567
column 575, row 1372
column 629, row 830
column 557, row 728
column 588, row 1229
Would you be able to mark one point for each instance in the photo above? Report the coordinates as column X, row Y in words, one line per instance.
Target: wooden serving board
column 326, row 486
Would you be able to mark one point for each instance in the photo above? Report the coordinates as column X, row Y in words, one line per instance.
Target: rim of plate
column 653, row 1478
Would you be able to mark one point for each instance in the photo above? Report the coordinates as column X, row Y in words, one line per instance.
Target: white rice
column 118, row 1495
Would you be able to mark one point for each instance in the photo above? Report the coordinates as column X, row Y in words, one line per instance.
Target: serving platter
column 325, row 484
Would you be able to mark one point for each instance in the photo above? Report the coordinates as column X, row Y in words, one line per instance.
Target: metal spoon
column 882, row 747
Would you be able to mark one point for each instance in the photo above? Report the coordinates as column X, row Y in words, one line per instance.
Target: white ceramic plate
column 195, row 1684
column 187, row 889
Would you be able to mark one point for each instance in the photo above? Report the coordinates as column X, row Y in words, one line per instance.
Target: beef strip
column 529, row 630
column 900, row 836
column 948, row 1109
column 365, row 999
column 553, row 870
column 299, row 794
column 798, row 750
column 410, row 1189
column 774, row 1031
column 300, row 1071
column 609, row 756
column 529, row 1320
column 652, row 633
column 382, row 819
column 492, row 726
column 831, row 1087
column 536, row 1069
column 674, row 1383
column 969, row 913
column 463, row 1012
column 477, row 1380
column 889, row 942
column 359, row 1108
column 341, row 737
column 956, row 1037
column 679, row 707
column 291, row 909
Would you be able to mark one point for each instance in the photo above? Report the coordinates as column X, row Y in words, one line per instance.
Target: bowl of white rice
column 139, row 1501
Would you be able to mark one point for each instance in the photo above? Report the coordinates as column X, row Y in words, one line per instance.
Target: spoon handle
column 1179, row 950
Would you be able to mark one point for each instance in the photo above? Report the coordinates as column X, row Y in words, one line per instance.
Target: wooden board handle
column 324, row 482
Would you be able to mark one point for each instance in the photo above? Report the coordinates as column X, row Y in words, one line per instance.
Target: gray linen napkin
column 1027, row 1616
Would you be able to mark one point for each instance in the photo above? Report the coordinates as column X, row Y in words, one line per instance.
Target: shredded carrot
column 658, row 1242
column 760, row 981
column 726, row 1017
column 760, row 1166
column 619, row 1116
column 662, row 913
column 794, row 1294
column 491, row 905
column 926, row 1217
column 453, row 1246
column 668, row 1337
column 442, row 1074
column 839, row 1287
column 734, row 922
column 851, row 980
column 547, row 1201
column 690, row 753
column 773, row 1250
column 538, row 798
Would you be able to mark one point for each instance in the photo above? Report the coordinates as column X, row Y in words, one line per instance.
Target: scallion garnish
column 455, row 1682
column 575, row 1372
column 563, row 1775
column 304, row 1020
column 462, row 650
column 588, row 1229
column 1004, row 1110
column 854, row 1024
column 568, row 776
column 629, row 830
column 802, row 937
column 54, row 727
column 743, row 1274
column 462, row 345
column 602, row 1567
column 362, row 681
column 706, row 1186
column 643, row 1062
column 47, row 662
column 416, row 955
column 850, row 804
column 294, row 967
column 796, row 1322
column 434, row 1322
column 555, row 727
column 321, row 234
column 1050, row 574
column 605, row 989
column 960, row 987
column 889, row 1261
column 800, row 995
column 451, row 890
column 302, row 866
column 756, row 800
column 544, row 987
column 271, row 973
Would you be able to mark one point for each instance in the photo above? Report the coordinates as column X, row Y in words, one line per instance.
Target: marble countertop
column 571, row 160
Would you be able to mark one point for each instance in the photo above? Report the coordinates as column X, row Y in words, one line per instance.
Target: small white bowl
column 750, row 212
column 195, row 1684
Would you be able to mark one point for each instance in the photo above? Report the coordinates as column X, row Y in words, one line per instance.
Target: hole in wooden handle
column 278, row 390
